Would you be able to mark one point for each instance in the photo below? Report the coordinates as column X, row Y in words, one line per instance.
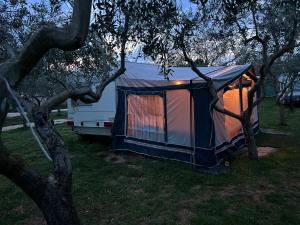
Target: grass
column 18, row 120
column 269, row 117
column 130, row 189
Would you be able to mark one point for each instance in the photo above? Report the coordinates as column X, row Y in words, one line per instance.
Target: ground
column 130, row 189
column 18, row 120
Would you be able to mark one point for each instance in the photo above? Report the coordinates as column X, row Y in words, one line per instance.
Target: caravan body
column 95, row 118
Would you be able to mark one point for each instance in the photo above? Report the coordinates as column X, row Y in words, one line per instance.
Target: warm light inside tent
column 232, row 103
column 178, row 82
column 246, row 76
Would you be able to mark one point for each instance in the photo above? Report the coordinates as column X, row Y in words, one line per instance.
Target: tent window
column 145, row 117
column 179, row 117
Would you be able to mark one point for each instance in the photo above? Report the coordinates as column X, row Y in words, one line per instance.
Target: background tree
column 270, row 28
column 246, row 22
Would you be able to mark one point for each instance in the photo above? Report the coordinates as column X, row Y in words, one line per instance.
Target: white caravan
column 292, row 94
column 95, row 118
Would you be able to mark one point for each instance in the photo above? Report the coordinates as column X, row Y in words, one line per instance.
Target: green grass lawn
column 130, row 189
column 18, row 120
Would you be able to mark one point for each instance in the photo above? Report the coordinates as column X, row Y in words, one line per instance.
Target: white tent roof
column 149, row 75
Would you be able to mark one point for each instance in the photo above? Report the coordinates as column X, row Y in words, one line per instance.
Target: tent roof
column 149, row 75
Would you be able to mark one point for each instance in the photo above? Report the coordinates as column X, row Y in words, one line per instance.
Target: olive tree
column 273, row 25
column 271, row 28
column 53, row 194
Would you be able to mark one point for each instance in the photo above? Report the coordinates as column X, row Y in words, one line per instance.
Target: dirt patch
column 273, row 131
column 139, row 191
column 227, row 191
column 255, row 193
column 197, row 199
column 145, row 221
column 188, row 205
column 196, row 188
column 114, row 158
column 185, row 217
column 265, row 151
column 35, row 221
column 19, row 209
column 135, row 167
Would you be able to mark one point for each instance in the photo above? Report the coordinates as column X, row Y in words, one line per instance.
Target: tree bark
column 56, row 205
column 250, row 139
column 279, row 93
column 281, row 112
column 58, row 208
column 53, row 195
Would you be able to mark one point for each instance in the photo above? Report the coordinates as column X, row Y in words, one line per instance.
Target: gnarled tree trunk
column 53, row 194
column 250, row 139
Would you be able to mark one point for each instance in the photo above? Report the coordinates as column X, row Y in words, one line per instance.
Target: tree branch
column 209, row 81
column 70, row 37
column 86, row 94
column 19, row 173
column 57, row 149
column 287, row 47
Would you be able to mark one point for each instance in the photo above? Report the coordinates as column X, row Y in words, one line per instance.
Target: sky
column 134, row 56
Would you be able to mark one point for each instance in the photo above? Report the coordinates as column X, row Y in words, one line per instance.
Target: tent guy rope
column 24, row 115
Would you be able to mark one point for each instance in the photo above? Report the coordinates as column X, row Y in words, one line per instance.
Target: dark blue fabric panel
column 160, row 143
column 204, row 142
column 159, row 152
column 118, row 142
column 128, row 92
column 165, row 88
column 203, row 120
column 119, row 122
column 205, row 157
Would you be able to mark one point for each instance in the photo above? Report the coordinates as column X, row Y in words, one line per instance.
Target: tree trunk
column 250, row 139
column 58, row 208
column 24, row 123
column 281, row 112
column 53, row 195
column 58, row 111
column 280, row 107
column 55, row 202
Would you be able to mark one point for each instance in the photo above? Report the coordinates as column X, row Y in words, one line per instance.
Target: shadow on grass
column 276, row 140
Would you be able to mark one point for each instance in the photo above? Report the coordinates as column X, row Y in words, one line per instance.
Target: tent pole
column 165, row 116
column 241, row 94
column 192, row 130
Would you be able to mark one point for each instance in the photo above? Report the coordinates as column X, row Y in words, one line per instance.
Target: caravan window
column 145, row 117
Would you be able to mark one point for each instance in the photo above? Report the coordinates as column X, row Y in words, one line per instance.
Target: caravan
column 95, row 118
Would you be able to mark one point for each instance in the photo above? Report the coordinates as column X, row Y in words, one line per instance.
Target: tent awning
column 149, row 75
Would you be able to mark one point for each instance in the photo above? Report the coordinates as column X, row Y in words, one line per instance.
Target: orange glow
column 231, row 101
column 246, row 77
column 178, row 82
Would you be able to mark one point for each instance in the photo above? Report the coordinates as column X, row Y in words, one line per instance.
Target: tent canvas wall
column 174, row 118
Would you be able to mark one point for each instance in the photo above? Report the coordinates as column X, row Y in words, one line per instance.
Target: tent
column 174, row 119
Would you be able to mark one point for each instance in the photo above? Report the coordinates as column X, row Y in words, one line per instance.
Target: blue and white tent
column 174, row 118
